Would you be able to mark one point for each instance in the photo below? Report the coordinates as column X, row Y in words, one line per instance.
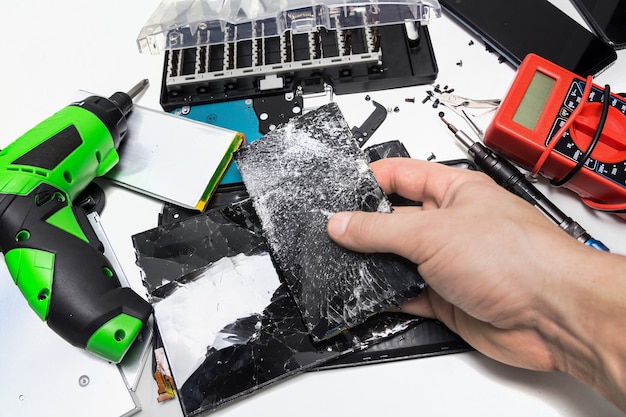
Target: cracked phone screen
column 298, row 175
column 228, row 323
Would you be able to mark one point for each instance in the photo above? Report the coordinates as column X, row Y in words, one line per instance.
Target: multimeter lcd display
column 534, row 100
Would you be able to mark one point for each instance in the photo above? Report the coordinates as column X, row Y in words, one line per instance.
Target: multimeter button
column 611, row 147
column 574, row 96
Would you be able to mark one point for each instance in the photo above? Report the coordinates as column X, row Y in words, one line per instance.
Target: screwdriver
column 52, row 255
column 508, row 176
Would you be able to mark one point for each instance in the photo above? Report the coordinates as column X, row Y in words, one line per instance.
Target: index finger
column 417, row 180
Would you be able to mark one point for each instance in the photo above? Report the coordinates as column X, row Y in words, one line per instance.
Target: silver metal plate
column 45, row 375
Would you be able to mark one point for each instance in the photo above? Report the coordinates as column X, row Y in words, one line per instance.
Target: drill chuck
column 113, row 111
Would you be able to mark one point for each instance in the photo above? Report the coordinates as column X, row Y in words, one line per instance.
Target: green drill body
column 62, row 273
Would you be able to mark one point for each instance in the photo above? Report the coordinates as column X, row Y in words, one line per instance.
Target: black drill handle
column 85, row 291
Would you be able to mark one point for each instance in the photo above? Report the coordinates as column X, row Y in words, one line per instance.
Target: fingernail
column 338, row 224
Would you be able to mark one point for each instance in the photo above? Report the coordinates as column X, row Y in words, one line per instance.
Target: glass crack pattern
column 298, row 175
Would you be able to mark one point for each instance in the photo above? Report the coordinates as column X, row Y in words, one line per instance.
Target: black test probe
column 508, row 176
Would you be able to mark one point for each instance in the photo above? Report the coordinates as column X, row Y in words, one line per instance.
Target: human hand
column 485, row 253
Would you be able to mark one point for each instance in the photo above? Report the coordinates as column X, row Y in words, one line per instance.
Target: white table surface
column 50, row 49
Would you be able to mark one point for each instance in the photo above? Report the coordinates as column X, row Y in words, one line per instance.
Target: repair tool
column 508, row 176
column 58, row 265
column 459, row 104
column 567, row 129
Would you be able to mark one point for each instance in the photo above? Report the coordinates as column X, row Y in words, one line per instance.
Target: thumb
column 371, row 232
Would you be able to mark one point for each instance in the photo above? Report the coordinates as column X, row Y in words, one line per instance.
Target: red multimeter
column 567, row 129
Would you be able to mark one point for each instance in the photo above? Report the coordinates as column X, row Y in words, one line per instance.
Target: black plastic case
column 404, row 63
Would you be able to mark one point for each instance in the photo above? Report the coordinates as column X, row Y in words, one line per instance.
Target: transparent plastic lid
column 186, row 23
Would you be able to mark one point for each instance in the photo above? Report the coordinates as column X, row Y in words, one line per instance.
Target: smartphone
column 607, row 18
column 518, row 27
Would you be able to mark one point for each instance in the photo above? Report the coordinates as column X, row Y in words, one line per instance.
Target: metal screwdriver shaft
column 508, row 176
column 138, row 88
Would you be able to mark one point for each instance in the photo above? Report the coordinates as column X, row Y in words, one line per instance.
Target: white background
column 50, row 49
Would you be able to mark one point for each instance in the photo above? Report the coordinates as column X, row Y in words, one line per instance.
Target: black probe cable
column 594, row 141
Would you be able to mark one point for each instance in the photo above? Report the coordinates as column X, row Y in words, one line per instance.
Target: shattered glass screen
column 298, row 175
column 229, row 326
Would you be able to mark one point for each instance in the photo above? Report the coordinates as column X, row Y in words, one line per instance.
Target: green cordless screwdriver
column 62, row 273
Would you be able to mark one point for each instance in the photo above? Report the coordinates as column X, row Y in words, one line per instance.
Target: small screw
column 431, row 157
column 367, row 98
column 410, row 100
column 396, row 109
column 459, row 63
column 471, row 42
column 83, row 381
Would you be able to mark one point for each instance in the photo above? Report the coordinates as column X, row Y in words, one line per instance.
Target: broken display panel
column 229, row 325
column 428, row 338
column 298, row 176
